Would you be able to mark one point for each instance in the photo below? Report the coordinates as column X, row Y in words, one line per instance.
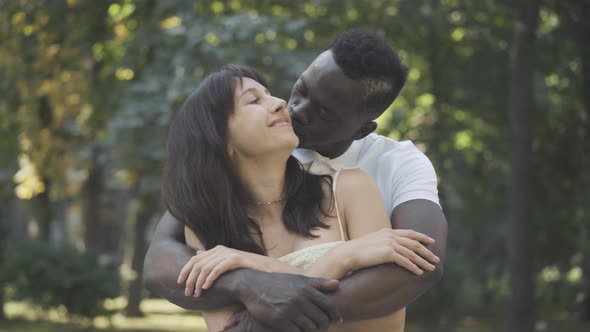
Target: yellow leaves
column 352, row 14
column 574, row 275
column 28, row 182
column 217, row 7
column 126, row 177
column 121, row 31
column 457, row 34
column 462, row 140
column 391, row 11
column 309, row 35
column 124, row 74
column 425, row 100
column 98, row 51
column 85, row 114
column 18, row 18
column 291, row 43
column 414, row 74
column 28, row 30
column 314, row 10
column 270, row 34
column 73, row 99
column 170, row 22
column 212, row 39
column 118, row 12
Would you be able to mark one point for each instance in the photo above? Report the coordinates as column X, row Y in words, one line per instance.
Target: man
column 333, row 106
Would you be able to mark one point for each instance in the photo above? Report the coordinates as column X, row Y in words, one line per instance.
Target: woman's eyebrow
column 253, row 89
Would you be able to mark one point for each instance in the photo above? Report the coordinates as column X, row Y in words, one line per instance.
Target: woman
column 247, row 203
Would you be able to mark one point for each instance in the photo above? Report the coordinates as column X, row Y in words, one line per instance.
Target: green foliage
column 54, row 277
column 114, row 72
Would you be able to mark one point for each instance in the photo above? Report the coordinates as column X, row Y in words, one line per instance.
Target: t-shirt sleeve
column 415, row 178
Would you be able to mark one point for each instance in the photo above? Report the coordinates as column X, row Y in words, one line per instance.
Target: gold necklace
column 268, row 203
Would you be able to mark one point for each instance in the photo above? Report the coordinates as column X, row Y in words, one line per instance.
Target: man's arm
column 387, row 288
column 166, row 256
column 273, row 298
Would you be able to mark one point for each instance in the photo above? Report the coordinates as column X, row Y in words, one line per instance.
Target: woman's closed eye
column 256, row 100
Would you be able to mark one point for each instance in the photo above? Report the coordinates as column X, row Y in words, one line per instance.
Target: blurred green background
column 498, row 96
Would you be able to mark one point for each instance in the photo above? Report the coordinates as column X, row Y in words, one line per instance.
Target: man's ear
column 365, row 130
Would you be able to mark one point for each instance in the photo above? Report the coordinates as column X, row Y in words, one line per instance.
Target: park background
column 498, row 97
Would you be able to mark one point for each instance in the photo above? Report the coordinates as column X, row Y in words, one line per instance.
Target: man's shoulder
column 375, row 145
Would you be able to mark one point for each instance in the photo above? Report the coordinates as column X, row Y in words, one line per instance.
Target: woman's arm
column 372, row 242
column 208, row 265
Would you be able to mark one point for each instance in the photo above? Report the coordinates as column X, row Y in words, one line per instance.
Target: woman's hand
column 403, row 247
column 201, row 271
column 206, row 266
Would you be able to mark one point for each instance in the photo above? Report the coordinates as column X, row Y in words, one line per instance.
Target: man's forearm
column 161, row 269
column 387, row 288
column 382, row 290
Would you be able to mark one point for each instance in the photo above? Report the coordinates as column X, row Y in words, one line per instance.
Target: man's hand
column 290, row 302
column 242, row 321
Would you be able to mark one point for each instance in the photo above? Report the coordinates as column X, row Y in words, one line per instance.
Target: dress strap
column 334, row 181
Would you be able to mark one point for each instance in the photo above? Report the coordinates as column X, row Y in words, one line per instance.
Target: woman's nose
column 278, row 105
column 297, row 112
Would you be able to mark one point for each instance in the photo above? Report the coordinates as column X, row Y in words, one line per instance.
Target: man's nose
column 297, row 112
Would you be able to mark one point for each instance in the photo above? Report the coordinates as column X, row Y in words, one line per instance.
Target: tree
column 521, row 106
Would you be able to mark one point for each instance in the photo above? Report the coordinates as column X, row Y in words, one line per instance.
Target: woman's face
column 260, row 122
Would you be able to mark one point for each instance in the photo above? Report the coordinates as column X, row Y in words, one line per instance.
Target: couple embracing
column 296, row 217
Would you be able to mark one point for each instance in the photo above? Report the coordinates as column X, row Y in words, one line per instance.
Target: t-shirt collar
column 347, row 159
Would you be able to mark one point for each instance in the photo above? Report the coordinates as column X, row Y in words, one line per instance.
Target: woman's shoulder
column 352, row 179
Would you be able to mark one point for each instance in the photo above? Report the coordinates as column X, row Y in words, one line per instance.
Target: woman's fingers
column 231, row 262
column 206, row 267
column 194, row 275
column 418, row 248
column 407, row 264
column 411, row 234
column 414, row 258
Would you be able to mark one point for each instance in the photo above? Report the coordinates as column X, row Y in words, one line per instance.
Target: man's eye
column 324, row 114
column 300, row 88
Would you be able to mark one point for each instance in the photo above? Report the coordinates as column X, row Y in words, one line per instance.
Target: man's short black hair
column 365, row 57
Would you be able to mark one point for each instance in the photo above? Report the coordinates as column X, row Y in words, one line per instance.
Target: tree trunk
column 521, row 106
column 140, row 224
column 91, row 205
column 583, row 34
column 43, row 212
column 3, row 240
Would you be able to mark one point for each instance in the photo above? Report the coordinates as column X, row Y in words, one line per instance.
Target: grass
column 161, row 316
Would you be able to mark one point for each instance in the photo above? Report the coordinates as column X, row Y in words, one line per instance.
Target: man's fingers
column 325, row 285
column 325, row 305
column 290, row 327
column 318, row 317
column 305, row 324
column 235, row 319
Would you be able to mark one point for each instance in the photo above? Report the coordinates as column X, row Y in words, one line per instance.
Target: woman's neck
column 264, row 182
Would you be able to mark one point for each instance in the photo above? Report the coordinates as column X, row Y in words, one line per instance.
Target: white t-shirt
column 401, row 171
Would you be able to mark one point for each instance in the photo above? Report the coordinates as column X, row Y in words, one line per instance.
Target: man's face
column 325, row 105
